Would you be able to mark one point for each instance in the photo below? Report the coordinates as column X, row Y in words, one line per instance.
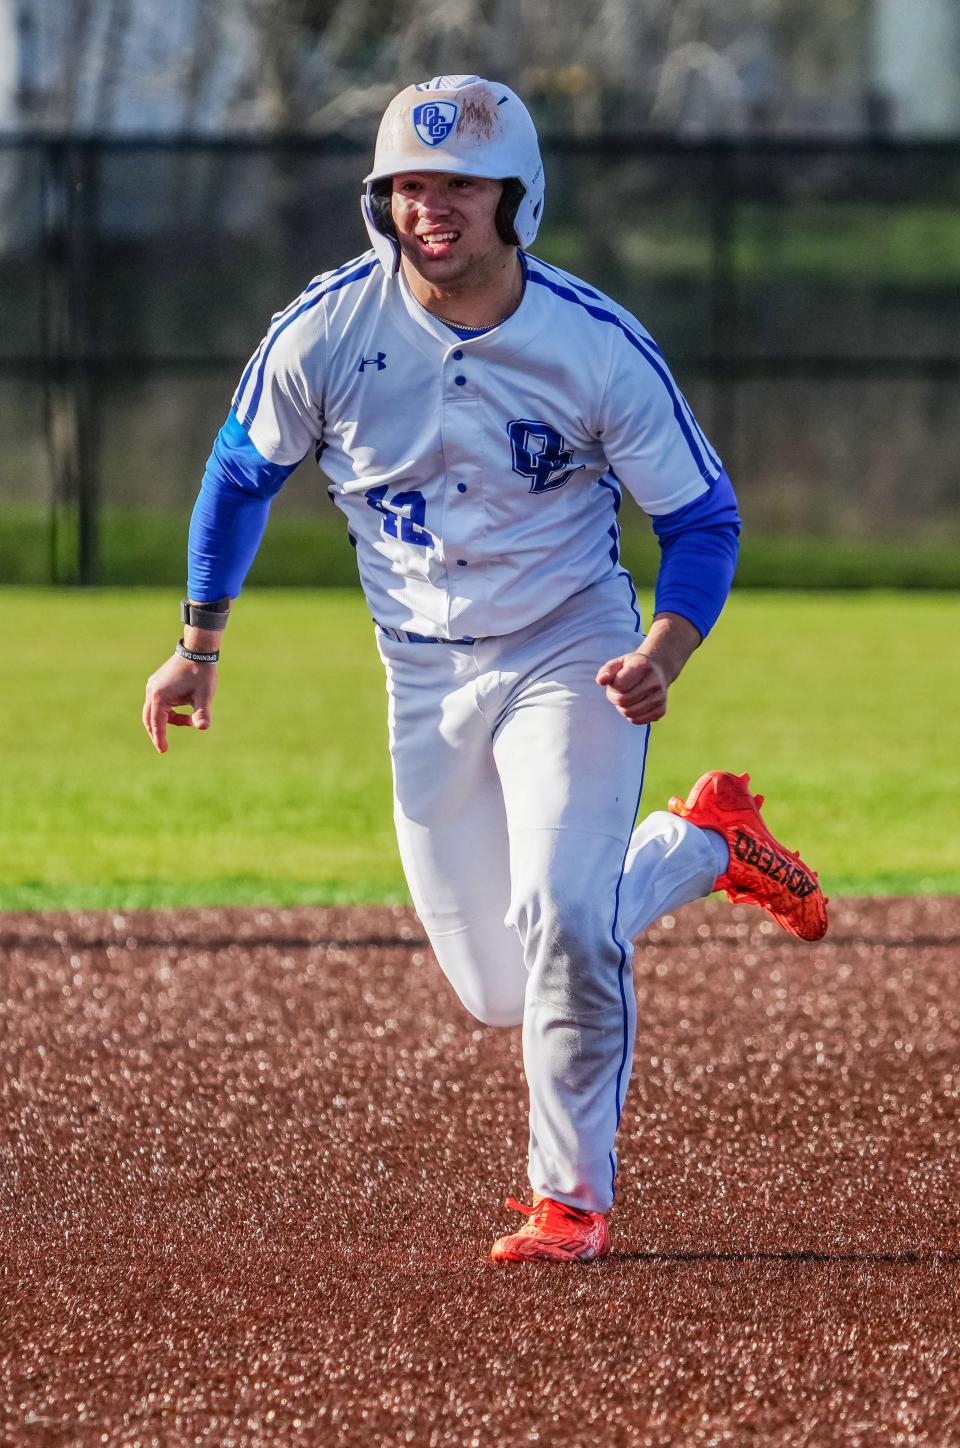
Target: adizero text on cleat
column 761, row 870
column 553, row 1232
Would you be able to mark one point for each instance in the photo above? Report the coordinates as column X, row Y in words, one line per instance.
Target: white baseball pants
column 516, row 786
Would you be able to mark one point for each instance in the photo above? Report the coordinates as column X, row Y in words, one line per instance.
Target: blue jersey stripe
column 581, row 287
column 611, row 486
column 354, row 276
column 247, row 371
column 702, row 435
column 610, row 481
column 636, row 611
column 324, row 280
column 622, row 971
column 567, row 280
column 320, row 281
column 647, row 350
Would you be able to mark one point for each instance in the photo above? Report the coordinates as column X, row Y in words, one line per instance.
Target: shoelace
column 548, row 1214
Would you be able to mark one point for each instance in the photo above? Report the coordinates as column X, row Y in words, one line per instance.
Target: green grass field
column 842, row 706
column 307, row 549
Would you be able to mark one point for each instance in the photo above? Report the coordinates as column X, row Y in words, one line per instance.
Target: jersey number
column 541, row 454
column 395, row 512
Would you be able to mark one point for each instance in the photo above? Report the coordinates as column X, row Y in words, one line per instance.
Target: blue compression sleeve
column 230, row 513
column 699, row 544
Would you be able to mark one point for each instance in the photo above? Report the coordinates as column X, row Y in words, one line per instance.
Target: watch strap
column 206, row 615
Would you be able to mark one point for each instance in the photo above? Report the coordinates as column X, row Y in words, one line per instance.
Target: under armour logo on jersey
column 434, row 120
column 380, row 361
column 541, row 454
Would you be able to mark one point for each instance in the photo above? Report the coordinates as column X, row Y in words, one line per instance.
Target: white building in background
column 916, row 64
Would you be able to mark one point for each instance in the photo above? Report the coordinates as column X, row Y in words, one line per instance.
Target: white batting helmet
column 466, row 125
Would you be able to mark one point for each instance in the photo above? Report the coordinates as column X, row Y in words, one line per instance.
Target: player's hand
column 636, row 687
column 176, row 683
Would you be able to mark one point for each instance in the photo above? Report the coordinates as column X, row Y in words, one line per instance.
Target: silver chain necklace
column 469, row 326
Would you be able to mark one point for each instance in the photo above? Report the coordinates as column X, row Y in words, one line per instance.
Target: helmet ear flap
column 380, row 205
column 510, row 198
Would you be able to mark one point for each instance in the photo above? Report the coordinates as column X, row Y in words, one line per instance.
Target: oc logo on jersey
column 434, row 120
column 541, row 454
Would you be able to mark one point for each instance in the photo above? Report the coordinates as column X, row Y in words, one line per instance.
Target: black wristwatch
column 206, row 615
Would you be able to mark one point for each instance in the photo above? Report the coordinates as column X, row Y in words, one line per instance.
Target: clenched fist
column 636, row 686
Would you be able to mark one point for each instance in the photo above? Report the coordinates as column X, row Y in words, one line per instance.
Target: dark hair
column 510, row 198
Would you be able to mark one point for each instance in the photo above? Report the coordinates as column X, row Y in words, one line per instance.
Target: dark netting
column 25, row 502
column 847, row 255
column 221, row 240
column 874, row 458
column 25, row 493
column 156, row 434
column 24, row 253
column 808, row 299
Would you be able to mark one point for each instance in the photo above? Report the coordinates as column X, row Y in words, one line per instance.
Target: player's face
column 446, row 225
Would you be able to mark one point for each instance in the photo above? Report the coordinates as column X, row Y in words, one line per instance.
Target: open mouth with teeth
column 438, row 243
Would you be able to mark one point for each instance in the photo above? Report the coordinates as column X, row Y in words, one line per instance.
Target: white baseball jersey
column 480, row 478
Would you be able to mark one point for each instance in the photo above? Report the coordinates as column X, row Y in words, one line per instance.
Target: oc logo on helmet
column 434, row 120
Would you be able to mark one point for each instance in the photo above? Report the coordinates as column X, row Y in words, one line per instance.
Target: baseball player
column 478, row 413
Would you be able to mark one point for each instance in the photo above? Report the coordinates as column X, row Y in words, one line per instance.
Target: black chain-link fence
column 806, row 295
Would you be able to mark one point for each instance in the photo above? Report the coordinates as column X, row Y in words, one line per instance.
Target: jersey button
column 461, row 380
column 458, row 355
column 461, row 487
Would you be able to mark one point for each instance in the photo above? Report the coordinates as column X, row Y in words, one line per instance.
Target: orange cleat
column 761, row 871
column 553, row 1232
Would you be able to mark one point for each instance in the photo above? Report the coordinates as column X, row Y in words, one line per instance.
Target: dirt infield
column 252, row 1163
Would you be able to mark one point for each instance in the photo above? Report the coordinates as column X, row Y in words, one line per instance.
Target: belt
column 407, row 636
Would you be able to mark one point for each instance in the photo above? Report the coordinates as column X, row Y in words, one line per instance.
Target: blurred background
column 772, row 186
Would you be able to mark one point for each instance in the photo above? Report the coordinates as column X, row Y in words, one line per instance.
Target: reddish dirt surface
column 252, row 1163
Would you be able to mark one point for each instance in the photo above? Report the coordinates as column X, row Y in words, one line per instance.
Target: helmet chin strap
column 387, row 250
